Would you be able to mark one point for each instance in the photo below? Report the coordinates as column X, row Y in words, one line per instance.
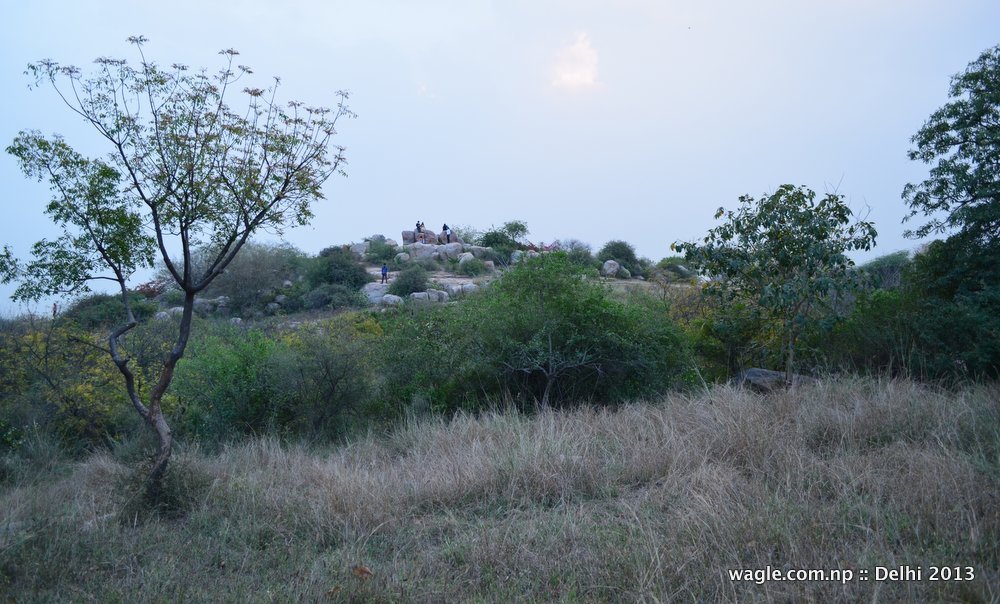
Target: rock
column 286, row 283
column 624, row 273
column 236, row 320
column 765, row 380
column 443, row 238
column 407, row 237
column 451, row 250
column 375, row 291
column 476, row 250
column 222, row 301
column 281, row 298
column 468, row 288
column 162, row 315
column 176, row 311
column 402, row 257
column 359, row 249
column 465, row 257
column 272, row 308
column 490, row 266
column 454, row 290
column 420, row 298
column 420, row 250
column 425, row 237
column 436, row 295
column 516, row 256
column 391, row 300
column 391, row 243
column 610, row 268
column 203, row 306
column 532, row 254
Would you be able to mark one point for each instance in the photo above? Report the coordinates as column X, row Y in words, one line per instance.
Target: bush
column 337, row 265
column 623, row 253
column 473, row 268
column 257, row 269
column 333, row 295
column 379, row 251
column 411, row 279
column 541, row 333
column 101, row 311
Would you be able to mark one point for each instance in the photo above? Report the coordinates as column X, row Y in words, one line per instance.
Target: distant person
column 385, row 273
column 420, row 225
column 447, row 232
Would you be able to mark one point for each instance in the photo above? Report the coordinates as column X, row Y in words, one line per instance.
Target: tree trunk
column 790, row 360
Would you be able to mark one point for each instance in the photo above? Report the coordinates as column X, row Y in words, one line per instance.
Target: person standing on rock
column 385, row 273
column 447, row 232
column 420, row 227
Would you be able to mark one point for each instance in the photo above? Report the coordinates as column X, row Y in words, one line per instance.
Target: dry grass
column 648, row 502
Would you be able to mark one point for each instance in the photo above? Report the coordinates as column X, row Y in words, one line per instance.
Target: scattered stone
column 272, row 308
column 610, row 268
column 532, row 254
column 516, row 256
column 437, row 295
column 465, row 257
column 468, row 288
column 236, row 320
column 490, row 266
column 391, row 300
column 454, row 290
column 176, row 310
column 420, row 297
column 286, row 283
column 281, row 298
column 162, row 315
column 402, row 257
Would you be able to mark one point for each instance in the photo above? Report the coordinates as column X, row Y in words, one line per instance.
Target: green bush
column 623, row 253
column 333, row 295
column 379, row 251
column 258, row 268
column 101, row 311
column 411, row 279
column 473, row 268
column 337, row 265
column 540, row 333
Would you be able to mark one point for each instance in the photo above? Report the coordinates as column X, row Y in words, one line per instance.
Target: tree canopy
column 962, row 140
column 784, row 253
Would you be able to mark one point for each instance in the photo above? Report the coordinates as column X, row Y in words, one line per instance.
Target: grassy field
column 649, row 502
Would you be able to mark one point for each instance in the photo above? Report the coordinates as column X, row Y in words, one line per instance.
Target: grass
column 649, row 502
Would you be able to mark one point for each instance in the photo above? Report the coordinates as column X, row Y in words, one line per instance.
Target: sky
column 587, row 119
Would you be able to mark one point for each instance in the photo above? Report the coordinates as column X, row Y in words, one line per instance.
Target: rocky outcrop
column 407, row 237
column 402, row 257
column 610, row 268
column 359, row 249
column 465, row 257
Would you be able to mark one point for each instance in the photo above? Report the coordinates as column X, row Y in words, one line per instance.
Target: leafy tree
column 623, row 253
column 338, row 265
column 185, row 171
column 784, row 253
column 963, row 138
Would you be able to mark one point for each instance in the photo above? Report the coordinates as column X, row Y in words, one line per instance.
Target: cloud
column 576, row 65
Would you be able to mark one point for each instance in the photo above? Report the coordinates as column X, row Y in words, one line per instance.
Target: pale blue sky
column 588, row 119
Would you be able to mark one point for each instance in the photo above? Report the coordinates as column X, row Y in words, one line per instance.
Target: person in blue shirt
column 385, row 273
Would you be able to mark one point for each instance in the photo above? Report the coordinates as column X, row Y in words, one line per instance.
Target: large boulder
column 375, row 291
column 391, row 243
column 451, row 250
column 454, row 290
column 490, row 266
column 407, row 237
column 437, row 295
column 465, row 257
column 468, row 288
column 359, row 249
column 516, row 256
column 610, row 268
column 766, row 380
column 476, row 250
column 420, row 250
column 420, row 298
column 391, row 300
column 425, row 237
column 443, row 238
column 402, row 257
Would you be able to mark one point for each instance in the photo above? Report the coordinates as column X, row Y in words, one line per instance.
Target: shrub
column 411, row 279
column 623, row 253
column 379, row 251
column 542, row 333
column 337, row 265
column 98, row 311
column 257, row 269
column 333, row 295
column 473, row 267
